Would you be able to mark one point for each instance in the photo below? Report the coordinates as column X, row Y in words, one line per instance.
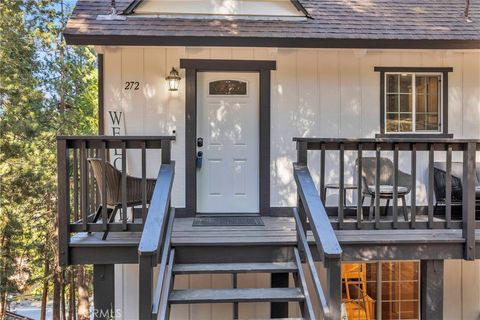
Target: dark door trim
column 192, row 66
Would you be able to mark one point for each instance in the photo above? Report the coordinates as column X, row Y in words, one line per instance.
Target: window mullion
column 414, row 103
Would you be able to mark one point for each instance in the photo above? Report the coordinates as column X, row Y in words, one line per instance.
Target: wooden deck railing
column 155, row 246
column 80, row 198
column 311, row 209
column 418, row 215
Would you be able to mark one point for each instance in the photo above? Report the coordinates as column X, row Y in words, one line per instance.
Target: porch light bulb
column 173, row 80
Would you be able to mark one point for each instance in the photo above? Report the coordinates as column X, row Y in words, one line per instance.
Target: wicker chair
column 114, row 189
column 386, row 183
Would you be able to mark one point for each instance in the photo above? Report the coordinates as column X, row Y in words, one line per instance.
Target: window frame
column 379, row 281
column 443, row 113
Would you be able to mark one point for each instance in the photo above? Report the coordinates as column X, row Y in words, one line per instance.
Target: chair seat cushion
column 388, row 189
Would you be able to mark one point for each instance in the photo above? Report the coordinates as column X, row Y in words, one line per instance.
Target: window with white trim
column 413, row 102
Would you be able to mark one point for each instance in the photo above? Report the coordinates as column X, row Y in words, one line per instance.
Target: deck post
column 145, row 287
column 468, row 212
column 302, row 152
column 63, row 208
column 431, row 289
column 104, row 292
column 334, row 285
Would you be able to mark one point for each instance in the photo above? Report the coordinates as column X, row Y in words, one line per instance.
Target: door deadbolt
column 200, row 142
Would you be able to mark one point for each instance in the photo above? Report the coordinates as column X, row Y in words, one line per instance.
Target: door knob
column 199, row 142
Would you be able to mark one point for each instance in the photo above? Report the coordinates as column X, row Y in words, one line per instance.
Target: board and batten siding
column 315, row 93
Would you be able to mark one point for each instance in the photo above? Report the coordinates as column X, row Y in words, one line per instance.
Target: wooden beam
column 63, row 210
column 103, row 291
column 431, row 289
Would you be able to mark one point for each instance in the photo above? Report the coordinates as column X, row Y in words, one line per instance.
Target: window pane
column 427, row 103
column 408, row 290
column 400, row 290
column 420, row 101
column 420, row 122
column 409, row 310
column 410, row 270
column 390, row 310
column 392, row 83
column 405, row 103
column 392, row 122
column 227, row 87
column 392, row 103
column 406, row 83
column 432, row 123
column 406, row 122
column 359, row 290
column 420, row 85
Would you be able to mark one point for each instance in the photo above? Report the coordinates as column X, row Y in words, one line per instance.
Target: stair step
column 235, row 295
column 271, row 267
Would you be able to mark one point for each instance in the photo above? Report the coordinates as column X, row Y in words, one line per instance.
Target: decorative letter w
column 116, row 117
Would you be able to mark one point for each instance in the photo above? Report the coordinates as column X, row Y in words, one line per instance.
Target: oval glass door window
column 227, row 88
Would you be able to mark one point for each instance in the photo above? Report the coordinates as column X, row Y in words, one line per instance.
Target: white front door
column 228, row 123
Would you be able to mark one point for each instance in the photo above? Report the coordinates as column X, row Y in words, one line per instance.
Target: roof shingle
column 361, row 21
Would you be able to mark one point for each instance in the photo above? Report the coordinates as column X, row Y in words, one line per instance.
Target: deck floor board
column 276, row 231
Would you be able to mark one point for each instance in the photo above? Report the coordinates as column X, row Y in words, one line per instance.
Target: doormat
column 227, row 221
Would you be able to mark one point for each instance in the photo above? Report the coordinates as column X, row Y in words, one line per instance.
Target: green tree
column 47, row 89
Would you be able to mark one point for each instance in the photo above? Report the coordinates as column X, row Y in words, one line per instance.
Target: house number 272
column 132, row 85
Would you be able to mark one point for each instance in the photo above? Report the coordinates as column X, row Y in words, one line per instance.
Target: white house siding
column 461, row 294
column 315, row 93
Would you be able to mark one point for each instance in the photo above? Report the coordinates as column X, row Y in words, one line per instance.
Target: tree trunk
column 5, row 246
column 43, row 309
column 3, row 303
column 83, row 298
column 63, row 308
column 57, row 291
column 71, row 303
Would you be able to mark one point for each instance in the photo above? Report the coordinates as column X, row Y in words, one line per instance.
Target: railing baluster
column 83, row 184
column 341, row 190
column 91, row 187
column 377, row 187
column 75, row 184
column 322, row 174
column 359, row 187
column 448, row 188
column 431, row 153
column 413, row 195
column 98, row 200
column 395, row 187
column 144, row 182
column 104, row 187
column 124, row 185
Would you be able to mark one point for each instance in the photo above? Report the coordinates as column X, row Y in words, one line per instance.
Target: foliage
column 46, row 89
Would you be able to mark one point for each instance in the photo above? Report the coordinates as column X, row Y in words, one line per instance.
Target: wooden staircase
column 239, row 295
column 155, row 248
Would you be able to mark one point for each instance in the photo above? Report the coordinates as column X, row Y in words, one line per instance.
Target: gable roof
column 334, row 23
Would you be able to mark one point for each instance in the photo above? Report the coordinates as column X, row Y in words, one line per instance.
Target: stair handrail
column 164, row 261
column 311, row 207
column 156, row 233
